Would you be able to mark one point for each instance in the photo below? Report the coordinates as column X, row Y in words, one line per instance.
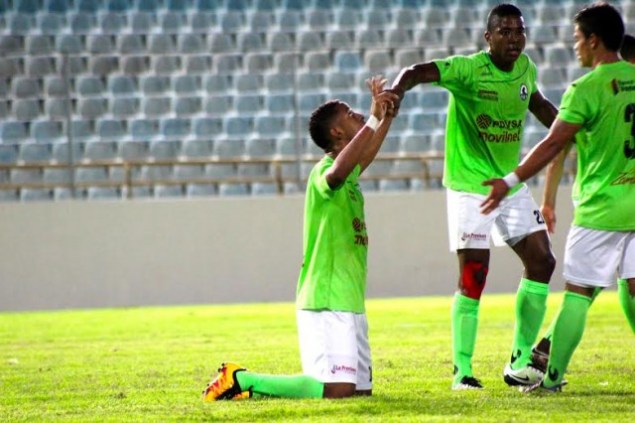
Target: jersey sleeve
column 455, row 72
column 322, row 185
column 574, row 106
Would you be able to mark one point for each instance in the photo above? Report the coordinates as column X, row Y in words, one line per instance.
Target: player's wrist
column 372, row 122
column 511, row 179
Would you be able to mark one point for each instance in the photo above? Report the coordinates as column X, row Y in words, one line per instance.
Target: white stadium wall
column 78, row 254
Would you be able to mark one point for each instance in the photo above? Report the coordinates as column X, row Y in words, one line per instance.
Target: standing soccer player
column 601, row 241
column 540, row 353
column 490, row 95
column 331, row 313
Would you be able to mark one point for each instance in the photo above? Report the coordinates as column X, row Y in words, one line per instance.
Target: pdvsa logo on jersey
column 483, row 121
column 524, row 92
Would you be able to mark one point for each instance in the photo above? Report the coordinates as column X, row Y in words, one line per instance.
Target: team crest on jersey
column 524, row 92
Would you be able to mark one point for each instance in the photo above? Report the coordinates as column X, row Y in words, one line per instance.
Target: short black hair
column 604, row 21
column 500, row 11
column 320, row 123
column 628, row 48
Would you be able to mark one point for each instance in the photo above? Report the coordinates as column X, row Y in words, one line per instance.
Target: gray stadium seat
column 186, row 84
column 156, row 106
column 249, row 83
column 133, row 150
column 8, row 154
column 227, row 63
column 235, row 126
column 220, row 43
column 89, row 86
column 218, row 104
column 197, row 64
column 35, row 194
column 92, row 108
column 26, row 109
column 56, row 175
column 11, row 66
column 551, row 77
column 168, row 191
column 264, row 188
column 289, row 20
column 309, row 40
column 319, row 19
column 207, row 128
column 100, row 150
column 166, row 65
column 258, row 62
column 161, row 44
column 69, row 44
column 317, row 61
column 111, row 23
column 144, row 129
column 279, row 103
column 111, row 130
column 91, row 174
column 188, row 172
column 368, row 38
column 339, row 39
column 172, row 22
column 165, row 150
column 40, row 66
column 250, row 42
column 270, row 126
column 103, row 193
column 279, row 41
column 309, row 102
column 82, row 22
column 39, row 45
column 154, row 84
column 415, row 144
column 122, row 85
column 31, row 152
column 200, row 190
column 347, row 61
column 197, row 148
column 248, row 104
column 377, row 61
column 175, row 128
column 135, row 65
column 390, row 185
column 278, row 83
column 225, row 148
column 231, row 22
column 187, row 105
column 12, row 132
column 226, row 189
column 99, row 44
column 141, row 22
column 81, row 131
column 103, row 65
column 25, row 87
column 130, row 44
column 191, row 44
column 11, row 45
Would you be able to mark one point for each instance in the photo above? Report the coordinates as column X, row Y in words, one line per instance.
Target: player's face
column 349, row 120
column 507, row 39
column 582, row 48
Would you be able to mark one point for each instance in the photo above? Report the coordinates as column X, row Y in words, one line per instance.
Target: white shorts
column 515, row 218
column 334, row 347
column 594, row 258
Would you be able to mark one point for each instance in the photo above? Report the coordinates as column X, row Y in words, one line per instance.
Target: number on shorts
column 539, row 217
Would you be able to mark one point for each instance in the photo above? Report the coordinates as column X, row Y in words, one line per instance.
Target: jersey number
column 539, row 217
column 629, row 116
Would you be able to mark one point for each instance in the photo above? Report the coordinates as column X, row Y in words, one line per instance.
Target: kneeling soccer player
column 331, row 317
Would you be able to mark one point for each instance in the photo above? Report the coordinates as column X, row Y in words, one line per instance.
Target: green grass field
column 151, row 364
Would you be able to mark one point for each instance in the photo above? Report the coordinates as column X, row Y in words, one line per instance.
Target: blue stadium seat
column 249, row 42
column 91, row 174
column 166, row 65
column 289, row 21
column 220, row 43
column 227, row 189
column 185, row 84
column 161, row 44
column 69, row 44
column 133, row 150
column 26, row 6
column 81, row 130
column 31, row 152
column 26, row 109
column 168, row 191
column 90, row 86
column 248, row 104
column 112, row 23
column 197, row 148
column 103, row 193
column 187, row 105
column 200, row 190
column 61, row 152
column 175, row 128
column 12, row 132
column 124, row 107
column 130, row 44
column 207, row 128
column 189, row 172
column 218, row 104
column 270, row 126
column 144, row 129
column 35, row 194
column 99, row 44
column 8, row 153
column 122, row 85
column 57, row 6
column 279, row 103
column 25, row 87
column 231, row 22
column 309, row 102
column 149, row 5
column 103, row 65
column 198, row 64
column 39, row 44
column 135, row 65
column 152, row 85
column 111, row 130
column 92, row 108
column 117, row 5
column 191, row 44
column 83, row 22
column 249, row 83
column 235, row 126
column 260, row 22
column 319, row 19
column 225, row 148
column 278, row 83
column 264, row 188
column 165, row 149
column 100, row 150
column 178, row 5
column 347, row 61
column 141, row 22
column 50, row 23
column 156, row 106
column 279, row 41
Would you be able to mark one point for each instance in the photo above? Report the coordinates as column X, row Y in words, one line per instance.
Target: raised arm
column 364, row 146
column 412, row 76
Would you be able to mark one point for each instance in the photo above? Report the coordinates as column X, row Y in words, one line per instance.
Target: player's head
column 332, row 123
column 628, row 48
column 599, row 23
column 505, row 34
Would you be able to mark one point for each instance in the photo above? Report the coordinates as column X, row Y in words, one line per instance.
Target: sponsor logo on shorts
column 340, row 368
column 476, row 237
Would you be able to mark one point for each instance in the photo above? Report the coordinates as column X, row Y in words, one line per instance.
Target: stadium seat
column 218, row 104
column 227, row 63
column 247, row 105
column 225, row 148
column 339, row 39
column 39, row 66
column 309, row 102
column 144, row 129
column 227, row 189
column 309, row 40
column 166, row 65
column 278, row 104
column 25, row 87
column 83, row 23
column 26, row 109
column 264, row 188
column 156, row 106
column 82, row 130
column 260, row 22
column 10, row 66
column 197, row 64
column 103, row 65
column 398, row 38
column 207, row 128
column 551, row 77
column 31, row 152
column 391, row 185
column 56, row 175
column 172, row 22
column 103, row 193
column 189, row 172
column 249, row 83
column 318, row 19
column 99, row 44
column 197, row 148
column 91, row 108
column 152, row 85
column 112, row 23
column 161, row 44
column 141, row 22
column 175, row 128
column 289, row 21
column 11, row 45
column 279, row 42
column 91, row 174
column 124, row 107
column 9, row 195
column 269, row 126
column 133, row 150
column 35, row 194
column 368, row 38
column 258, row 62
column 557, row 55
column 378, row 61
column 220, row 170
column 168, row 191
column 231, row 22
column 12, row 132
column 89, row 86
column 200, row 190
column 185, row 84
column 110, row 129
column 187, row 105
column 122, row 85
column 217, row 84
column 347, row 61
column 237, row 126
column 190, row 44
column 69, row 44
column 130, row 44
column 20, row 24
column 100, row 150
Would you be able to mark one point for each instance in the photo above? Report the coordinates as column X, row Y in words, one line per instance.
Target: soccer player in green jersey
column 601, row 241
column 554, row 171
column 332, row 327
column 491, row 92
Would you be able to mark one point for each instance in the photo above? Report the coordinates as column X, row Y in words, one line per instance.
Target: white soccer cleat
column 525, row 376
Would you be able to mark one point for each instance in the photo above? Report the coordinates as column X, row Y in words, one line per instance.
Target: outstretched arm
column 539, row 156
column 553, row 174
column 412, row 76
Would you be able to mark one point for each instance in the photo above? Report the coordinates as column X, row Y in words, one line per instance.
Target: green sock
column 299, row 386
column 566, row 335
column 531, row 304
column 627, row 302
column 549, row 332
column 464, row 327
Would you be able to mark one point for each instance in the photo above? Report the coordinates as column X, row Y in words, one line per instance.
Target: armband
column 372, row 122
column 511, row 179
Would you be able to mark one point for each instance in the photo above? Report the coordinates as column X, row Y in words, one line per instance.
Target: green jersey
column 335, row 244
column 603, row 102
column 486, row 113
